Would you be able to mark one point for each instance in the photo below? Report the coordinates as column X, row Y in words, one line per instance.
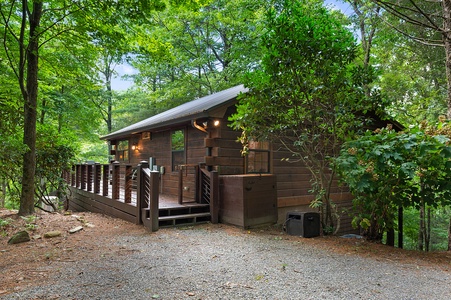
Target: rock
column 76, row 229
column 19, row 237
column 52, row 234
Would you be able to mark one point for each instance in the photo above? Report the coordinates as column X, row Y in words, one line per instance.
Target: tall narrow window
column 122, row 151
column 178, row 148
column 258, row 157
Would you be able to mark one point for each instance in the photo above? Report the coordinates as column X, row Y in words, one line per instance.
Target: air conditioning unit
column 304, row 224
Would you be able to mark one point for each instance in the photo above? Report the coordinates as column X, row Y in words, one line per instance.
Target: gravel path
column 212, row 262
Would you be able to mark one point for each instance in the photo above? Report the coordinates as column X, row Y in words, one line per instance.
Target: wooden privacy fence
column 131, row 192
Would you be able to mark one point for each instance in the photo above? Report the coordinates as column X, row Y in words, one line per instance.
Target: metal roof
column 195, row 109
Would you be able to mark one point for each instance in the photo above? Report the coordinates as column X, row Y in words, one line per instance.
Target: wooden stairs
column 187, row 214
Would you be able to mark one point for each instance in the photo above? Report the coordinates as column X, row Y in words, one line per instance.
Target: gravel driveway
column 221, row 262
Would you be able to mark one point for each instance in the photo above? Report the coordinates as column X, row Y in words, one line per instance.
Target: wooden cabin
column 257, row 189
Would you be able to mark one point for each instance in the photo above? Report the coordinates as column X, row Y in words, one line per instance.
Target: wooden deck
column 134, row 195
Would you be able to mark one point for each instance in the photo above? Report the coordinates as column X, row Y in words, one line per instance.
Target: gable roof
column 196, row 109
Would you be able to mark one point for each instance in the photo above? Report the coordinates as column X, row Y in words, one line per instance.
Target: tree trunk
column 446, row 5
column 427, row 237
column 449, row 235
column 421, row 230
column 30, row 110
column 3, row 193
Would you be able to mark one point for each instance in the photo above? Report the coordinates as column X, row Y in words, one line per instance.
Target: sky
column 117, row 82
column 339, row 4
column 120, row 84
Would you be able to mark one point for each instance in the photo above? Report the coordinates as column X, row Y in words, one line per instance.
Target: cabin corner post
column 154, row 197
column 140, row 202
column 214, row 200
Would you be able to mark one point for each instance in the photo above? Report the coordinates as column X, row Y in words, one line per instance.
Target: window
column 178, row 148
column 258, row 158
column 122, row 151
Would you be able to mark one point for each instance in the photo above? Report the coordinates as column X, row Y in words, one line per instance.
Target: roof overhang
column 211, row 106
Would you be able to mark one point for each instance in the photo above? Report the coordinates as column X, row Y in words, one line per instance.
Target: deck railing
column 112, row 184
column 138, row 186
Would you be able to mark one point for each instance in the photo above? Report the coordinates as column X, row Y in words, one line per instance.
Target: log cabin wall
column 293, row 185
column 225, row 151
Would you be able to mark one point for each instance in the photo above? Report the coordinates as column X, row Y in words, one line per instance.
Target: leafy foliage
column 386, row 169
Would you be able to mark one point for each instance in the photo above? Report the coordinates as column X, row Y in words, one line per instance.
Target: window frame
column 257, row 151
column 123, row 152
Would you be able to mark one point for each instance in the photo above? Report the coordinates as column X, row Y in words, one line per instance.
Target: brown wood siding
column 225, row 150
column 248, row 200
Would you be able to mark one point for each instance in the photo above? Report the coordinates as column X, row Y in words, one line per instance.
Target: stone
column 52, row 234
column 76, row 229
column 19, row 237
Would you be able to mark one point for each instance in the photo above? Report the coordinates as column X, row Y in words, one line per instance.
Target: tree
column 200, row 49
column 29, row 27
column 434, row 20
column 305, row 97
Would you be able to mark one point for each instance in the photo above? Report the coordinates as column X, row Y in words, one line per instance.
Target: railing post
column 83, row 177
column 140, row 202
column 196, row 184
column 128, row 184
column 154, row 195
column 89, row 176
column 78, row 176
column 72, row 176
column 180, row 186
column 97, row 178
column 214, row 197
column 115, row 180
column 105, row 180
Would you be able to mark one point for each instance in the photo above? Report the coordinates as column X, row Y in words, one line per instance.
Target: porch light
column 135, row 147
column 216, row 123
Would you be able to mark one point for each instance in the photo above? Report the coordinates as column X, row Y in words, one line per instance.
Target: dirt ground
column 21, row 264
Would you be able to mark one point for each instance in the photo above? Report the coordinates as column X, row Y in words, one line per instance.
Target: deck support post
column 214, row 197
column 154, row 197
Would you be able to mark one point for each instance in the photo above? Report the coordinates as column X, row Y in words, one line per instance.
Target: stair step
column 183, row 220
column 186, row 216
